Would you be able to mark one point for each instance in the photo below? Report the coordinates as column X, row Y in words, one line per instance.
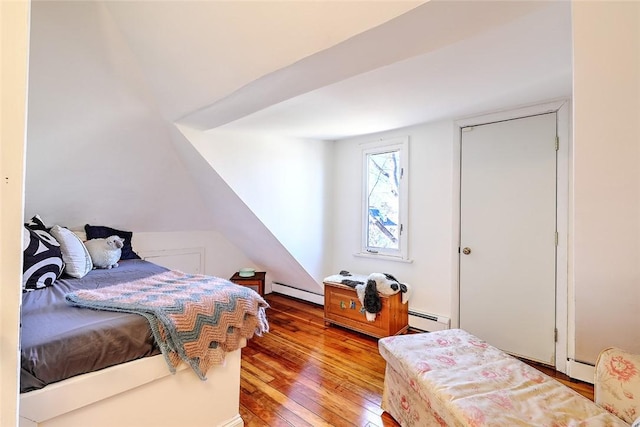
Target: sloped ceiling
column 213, row 63
column 195, row 53
column 238, row 222
column 97, row 150
column 109, row 80
column 459, row 59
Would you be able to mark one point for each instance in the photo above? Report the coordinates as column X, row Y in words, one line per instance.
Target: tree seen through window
column 383, row 183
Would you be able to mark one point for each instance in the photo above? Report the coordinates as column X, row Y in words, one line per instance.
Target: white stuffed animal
column 105, row 253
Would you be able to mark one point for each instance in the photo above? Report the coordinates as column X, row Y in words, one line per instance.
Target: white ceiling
column 194, row 53
column 333, row 69
column 522, row 62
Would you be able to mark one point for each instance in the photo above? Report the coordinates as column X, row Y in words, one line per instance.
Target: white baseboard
column 236, row 421
column 297, row 293
column 581, row 371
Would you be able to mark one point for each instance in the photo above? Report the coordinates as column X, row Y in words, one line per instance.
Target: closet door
column 508, row 235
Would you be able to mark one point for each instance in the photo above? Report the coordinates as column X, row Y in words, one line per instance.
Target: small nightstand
column 255, row 282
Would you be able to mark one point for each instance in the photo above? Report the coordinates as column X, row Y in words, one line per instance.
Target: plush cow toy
column 379, row 283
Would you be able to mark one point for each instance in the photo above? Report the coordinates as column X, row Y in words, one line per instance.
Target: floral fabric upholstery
column 451, row 378
column 617, row 383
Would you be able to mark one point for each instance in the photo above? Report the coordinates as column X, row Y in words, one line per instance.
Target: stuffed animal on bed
column 105, row 253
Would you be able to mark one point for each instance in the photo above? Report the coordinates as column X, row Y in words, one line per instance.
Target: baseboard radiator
column 294, row 292
column 428, row 322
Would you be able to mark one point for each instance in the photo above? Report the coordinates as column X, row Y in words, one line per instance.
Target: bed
column 81, row 366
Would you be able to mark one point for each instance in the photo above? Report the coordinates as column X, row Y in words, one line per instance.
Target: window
column 385, row 198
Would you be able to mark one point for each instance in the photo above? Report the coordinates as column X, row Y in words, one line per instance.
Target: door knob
column 466, row 251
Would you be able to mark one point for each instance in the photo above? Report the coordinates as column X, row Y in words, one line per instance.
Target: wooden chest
column 342, row 307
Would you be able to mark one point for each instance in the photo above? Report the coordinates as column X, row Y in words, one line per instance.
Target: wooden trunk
column 342, row 307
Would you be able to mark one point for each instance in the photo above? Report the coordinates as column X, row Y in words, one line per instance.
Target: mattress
column 59, row 341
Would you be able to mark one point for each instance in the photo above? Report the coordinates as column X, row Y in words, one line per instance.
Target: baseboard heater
column 294, row 292
column 428, row 322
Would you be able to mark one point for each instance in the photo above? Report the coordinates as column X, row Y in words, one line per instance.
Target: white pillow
column 74, row 254
column 636, row 423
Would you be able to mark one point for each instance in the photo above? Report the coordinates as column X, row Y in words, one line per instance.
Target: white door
column 507, row 235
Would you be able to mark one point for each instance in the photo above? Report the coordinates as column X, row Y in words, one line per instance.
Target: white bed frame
column 138, row 394
column 143, row 392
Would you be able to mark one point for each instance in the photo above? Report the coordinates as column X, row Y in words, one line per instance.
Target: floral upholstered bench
column 617, row 384
column 452, row 378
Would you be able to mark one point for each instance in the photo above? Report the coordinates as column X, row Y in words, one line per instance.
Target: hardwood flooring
column 303, row 373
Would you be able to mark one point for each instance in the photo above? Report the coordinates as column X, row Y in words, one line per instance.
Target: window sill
column 382, row 257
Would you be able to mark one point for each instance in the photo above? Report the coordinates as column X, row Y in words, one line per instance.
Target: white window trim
column 402, row 144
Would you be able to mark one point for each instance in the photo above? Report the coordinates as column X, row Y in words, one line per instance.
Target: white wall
column 221, row 257
column 98, row 152
column 14, row 36
column 605, row 221
column 430, row 228
column 606, row 225
column 285, row 182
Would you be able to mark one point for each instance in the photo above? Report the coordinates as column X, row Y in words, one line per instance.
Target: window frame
column 400, row 144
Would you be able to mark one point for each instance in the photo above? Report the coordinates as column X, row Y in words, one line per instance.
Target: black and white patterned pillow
column 42, row 257
column 36, row 223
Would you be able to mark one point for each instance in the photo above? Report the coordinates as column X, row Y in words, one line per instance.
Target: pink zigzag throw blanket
column 194, row 318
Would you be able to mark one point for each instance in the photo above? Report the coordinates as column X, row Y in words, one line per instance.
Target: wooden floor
column 303, row 373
